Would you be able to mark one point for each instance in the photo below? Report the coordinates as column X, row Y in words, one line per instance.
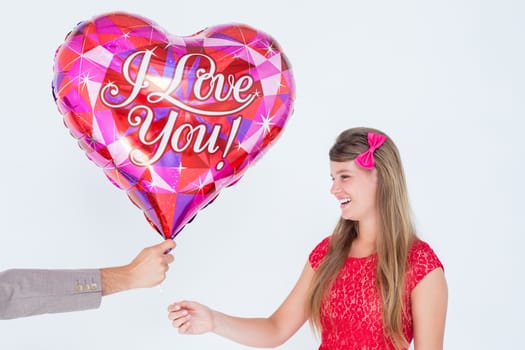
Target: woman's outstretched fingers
column 177, row 315
column 185, row 328
column 181, row 320
column 191, row 317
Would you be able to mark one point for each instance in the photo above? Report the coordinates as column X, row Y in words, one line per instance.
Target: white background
column 444, row 79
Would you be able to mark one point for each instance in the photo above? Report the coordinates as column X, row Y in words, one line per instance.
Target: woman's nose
column 334, row 188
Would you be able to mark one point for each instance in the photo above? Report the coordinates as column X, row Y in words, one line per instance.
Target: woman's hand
column 191, row 317
column 259, row 332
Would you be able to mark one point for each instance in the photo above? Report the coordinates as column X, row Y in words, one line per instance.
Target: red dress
column 354, row 319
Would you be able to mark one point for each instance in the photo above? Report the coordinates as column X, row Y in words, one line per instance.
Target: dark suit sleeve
column 25, row 292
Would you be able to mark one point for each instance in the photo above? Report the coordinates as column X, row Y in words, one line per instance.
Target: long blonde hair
column 392, row 244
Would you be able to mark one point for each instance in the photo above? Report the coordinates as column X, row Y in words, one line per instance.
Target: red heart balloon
column 172, row 120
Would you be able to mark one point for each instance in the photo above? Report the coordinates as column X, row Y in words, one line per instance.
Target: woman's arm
column 429, row 309
column 194, row 318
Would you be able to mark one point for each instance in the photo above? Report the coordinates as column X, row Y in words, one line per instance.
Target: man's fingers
column 168, row 258
column 168, row 244
column 165, row 246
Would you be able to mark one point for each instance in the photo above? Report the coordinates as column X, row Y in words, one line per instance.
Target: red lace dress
column 354, row 318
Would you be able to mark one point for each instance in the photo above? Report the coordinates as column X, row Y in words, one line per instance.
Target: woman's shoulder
column 422, row 259
column 420, row 250
column 319, row 252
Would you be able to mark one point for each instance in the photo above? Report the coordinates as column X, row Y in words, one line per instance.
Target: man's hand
column 148, row 269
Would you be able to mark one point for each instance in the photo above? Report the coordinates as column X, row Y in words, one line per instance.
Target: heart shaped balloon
column 170, row 119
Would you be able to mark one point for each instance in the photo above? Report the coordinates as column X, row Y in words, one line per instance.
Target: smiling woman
column 375, row 224
column 373, row 284
column 354, row 188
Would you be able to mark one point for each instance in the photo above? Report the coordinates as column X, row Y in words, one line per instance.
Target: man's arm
column 27, row 292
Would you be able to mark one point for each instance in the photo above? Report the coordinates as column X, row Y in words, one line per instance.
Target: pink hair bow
column 366, row 159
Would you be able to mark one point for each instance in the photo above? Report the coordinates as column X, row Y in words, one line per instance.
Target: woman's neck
column 365, row 242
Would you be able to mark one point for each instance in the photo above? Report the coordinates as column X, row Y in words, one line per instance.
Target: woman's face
column 355, row 189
